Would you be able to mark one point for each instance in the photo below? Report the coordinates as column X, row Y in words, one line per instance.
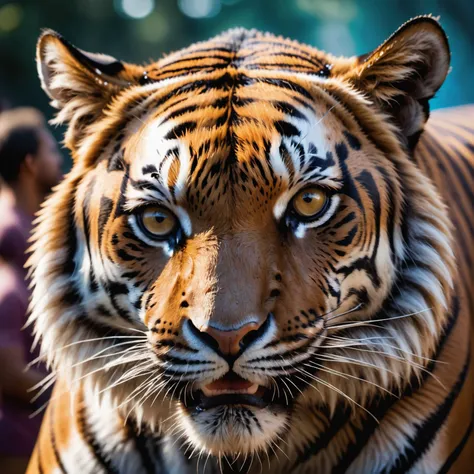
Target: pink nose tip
column 229, row 341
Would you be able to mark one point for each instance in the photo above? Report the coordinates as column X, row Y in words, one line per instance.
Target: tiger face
column 238, row 217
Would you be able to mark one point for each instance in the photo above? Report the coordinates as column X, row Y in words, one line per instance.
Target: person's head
column 28, row 151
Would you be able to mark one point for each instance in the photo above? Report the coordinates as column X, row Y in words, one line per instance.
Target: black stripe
column 465, row 186
column 149, row 169
column 349, row 218
column 86, row 211
column 119, row 210
column 125, row 256
column 462, row 238
column 179, row 130
column 347, row 240
column 86, row 204
column 367, row 181
column 353, row 141
column 57, row 455
column 457, row 451
column 106, row 205
column 171, row 69
column 177, row 113
column 252, row 59
column 71, row 237
column 38, row 457
column 316, row 162
column 457, row 170
column 115, row 162
column 222, row 82
column 462, row 141
column 274, row 43
column 114, row 289
column 335, row 423
column 195, row 58
column 428, row 430
column 147, row 461
column 289, row 109
column 380, row 408
column 209, row 49
column 194, row 68
column 145, row 185
column 178, row 360
column 259, row 165
column 390, row 195
column 350, row 189
column 281, row 83
column 93, row 443
column 282, row 67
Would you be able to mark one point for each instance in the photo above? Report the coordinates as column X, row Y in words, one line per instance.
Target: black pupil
column 307, row 198
column 160, row 218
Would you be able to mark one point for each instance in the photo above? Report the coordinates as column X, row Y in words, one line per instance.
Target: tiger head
column 243, row 233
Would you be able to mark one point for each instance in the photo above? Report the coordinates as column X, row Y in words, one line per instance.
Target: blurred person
column 30, row 165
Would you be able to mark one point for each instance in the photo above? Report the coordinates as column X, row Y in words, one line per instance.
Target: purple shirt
column 17, row 431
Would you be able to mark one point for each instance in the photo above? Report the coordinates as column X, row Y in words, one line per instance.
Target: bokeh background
column 141, row 30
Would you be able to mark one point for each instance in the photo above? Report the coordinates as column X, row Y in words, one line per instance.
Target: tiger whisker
column 393, row 318
column 352, row 310
column 143, row 385
column 99, row 355
column 43, row 389
column 399, row 349
column 355, row 325
column 345, row 375
column 206, row 461
column 358, row 339
column 118, row 382
column 158, row 391
column 149, row 391
column 42, row 382
column 274, row 443
column 244, row 461
column 330, row 386
column 259, row 460
column 137, row 330
column 138, row 369
column 401, row 359
column 391, row 356
column 268, row 456
column 348, row 360
column 296, row 386
column 60, row 349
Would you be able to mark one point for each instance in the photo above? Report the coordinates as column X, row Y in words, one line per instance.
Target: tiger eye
column 309, row 202
column 158, row 221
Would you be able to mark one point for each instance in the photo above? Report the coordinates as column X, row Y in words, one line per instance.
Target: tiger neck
column 393, row 431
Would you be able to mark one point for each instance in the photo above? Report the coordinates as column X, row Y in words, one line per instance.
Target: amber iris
column 310, row 202
column 158, row 221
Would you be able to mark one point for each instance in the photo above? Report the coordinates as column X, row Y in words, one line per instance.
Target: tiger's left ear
column 80, row 84
column 404, row 73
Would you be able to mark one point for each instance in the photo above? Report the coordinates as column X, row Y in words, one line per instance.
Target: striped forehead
column 293, row 148
column 161, row 159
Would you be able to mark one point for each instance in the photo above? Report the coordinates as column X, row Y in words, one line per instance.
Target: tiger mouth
column 231, row 389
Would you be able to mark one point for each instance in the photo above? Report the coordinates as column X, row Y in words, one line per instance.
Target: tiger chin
column 259, row 260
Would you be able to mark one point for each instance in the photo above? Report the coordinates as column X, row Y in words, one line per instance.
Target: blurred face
column 48, row 161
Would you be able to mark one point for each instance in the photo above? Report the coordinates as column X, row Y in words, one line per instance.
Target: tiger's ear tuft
column 405, row 72
column 80, row 84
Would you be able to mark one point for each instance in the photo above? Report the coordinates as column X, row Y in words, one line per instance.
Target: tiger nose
column 232, row 341
column 229, row 341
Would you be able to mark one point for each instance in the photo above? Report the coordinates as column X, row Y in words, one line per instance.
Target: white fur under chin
column 208, row 431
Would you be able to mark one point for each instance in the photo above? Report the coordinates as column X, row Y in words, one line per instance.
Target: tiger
column 260, row 261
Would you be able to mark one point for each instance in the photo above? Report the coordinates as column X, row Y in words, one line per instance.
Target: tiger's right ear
column 80, row 84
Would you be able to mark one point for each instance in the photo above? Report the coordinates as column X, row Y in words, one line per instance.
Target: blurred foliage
column 143, row 30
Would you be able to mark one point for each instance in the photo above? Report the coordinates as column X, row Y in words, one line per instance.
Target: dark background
column 142, row 30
